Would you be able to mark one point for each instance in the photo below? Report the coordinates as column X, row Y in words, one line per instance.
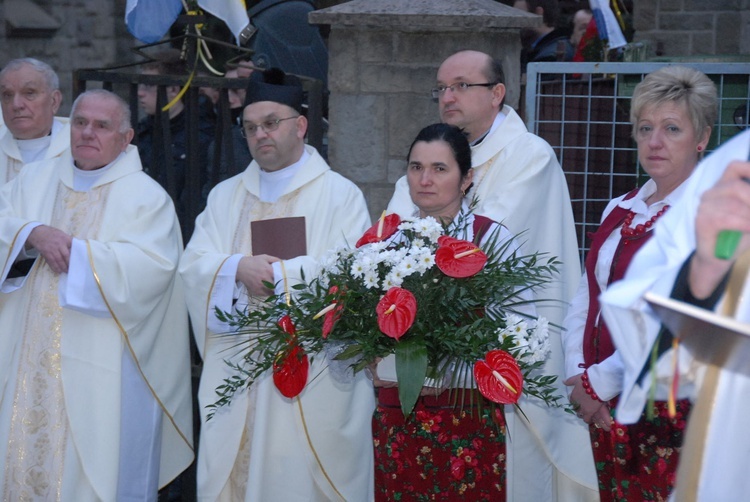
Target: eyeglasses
column 249, row 129
column 459, row 87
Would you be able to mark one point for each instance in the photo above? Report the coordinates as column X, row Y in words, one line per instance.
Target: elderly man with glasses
column 263, row 446
column 518, row 181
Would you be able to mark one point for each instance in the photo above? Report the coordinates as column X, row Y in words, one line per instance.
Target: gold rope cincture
column 694, row 446
column 475, row 188
column 315, row 453
column 288, row 299
column 13, row 244
column 130, row 348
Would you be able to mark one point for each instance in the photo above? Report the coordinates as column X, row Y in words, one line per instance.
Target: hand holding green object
column 727, row 241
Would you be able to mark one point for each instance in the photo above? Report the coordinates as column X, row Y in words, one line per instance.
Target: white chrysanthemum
column 424, row 259
column 406, row 225
column 389, row 283
column 395, row 277
column 541, row 328
column 330, row 262
column 512, row 319
column 407, row 267
column 358, row 269
column 393, row 257
column 377, row 247
column 418, row 243
column 371, row 280
column 428, row 228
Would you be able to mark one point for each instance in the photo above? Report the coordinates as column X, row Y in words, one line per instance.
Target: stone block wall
column 92, row 34
column 693, row 28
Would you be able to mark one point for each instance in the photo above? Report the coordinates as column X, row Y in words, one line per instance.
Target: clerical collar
column 33, row 149
column 495, row 124
column 36, row 149
column 83, row 180
column 273, row 184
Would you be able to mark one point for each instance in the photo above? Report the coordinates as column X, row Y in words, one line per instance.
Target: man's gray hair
column 125, row 122
column 50, row 77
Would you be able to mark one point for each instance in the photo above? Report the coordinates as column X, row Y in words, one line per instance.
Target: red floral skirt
column 639, row 461
column 440, row 452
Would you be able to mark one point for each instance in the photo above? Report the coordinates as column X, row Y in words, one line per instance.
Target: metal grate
column 582, row 110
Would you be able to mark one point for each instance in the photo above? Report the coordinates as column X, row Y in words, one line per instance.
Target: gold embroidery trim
column 208, row 304
column 287, row 296
column 130, row 347
column 314, row 452
column 13, row 244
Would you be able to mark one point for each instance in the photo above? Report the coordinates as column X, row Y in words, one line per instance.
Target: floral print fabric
column 440, row 452
column 639, row 462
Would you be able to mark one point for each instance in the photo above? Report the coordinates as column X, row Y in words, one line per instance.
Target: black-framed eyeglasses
column 249, row 129
column 458, row 87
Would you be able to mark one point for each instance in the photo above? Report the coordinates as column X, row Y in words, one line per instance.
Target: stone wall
column 91, row 34
column 681, row 28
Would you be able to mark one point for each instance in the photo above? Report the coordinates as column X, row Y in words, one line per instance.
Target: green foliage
column 457, row 320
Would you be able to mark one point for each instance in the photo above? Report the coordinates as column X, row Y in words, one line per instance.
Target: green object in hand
column 727, row 243
column 728, row 240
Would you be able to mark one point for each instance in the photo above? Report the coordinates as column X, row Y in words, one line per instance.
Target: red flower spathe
column 396, row 312
column 381, row 230
column 459, row 258
column 334, row 314
column 499, row 377
column 290, row 369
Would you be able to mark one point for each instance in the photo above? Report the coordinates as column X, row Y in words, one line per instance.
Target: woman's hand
column 588, row 409
column 372, row 370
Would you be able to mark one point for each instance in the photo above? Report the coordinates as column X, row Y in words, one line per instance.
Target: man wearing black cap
column 264, row 446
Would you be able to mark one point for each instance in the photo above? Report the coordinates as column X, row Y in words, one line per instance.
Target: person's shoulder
column 224, row 187
column 40, row 169
column 341, row 182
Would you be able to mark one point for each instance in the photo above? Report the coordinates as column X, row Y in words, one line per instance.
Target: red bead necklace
column 641, row 228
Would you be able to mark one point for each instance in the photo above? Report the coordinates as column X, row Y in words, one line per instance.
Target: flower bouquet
column 449, row 309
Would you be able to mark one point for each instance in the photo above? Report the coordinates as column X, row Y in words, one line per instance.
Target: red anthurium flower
column 458, row 258
column 290, row 368
column 499, row 378
column 334, row 313
column 290, row 372
column 380, row 231
column 396, row 312
column 286, row 324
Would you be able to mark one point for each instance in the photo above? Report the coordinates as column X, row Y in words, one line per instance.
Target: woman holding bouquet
column 444, row 450
column 672, row 111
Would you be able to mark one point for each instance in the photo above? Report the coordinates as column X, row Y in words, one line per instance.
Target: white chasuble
column 62, row 367
column 264, row 446
column 11, row 158
column 39, row 426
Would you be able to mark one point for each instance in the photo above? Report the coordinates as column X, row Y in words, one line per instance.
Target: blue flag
column 606, row 24
column 149, row 20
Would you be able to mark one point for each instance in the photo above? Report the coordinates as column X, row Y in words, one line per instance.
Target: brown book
column 283, row 238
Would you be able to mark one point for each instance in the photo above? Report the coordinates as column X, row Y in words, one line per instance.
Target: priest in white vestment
column 679, row 261
column 264, row 446
column 29, row 97
column 518, row 182
column 95, row 393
